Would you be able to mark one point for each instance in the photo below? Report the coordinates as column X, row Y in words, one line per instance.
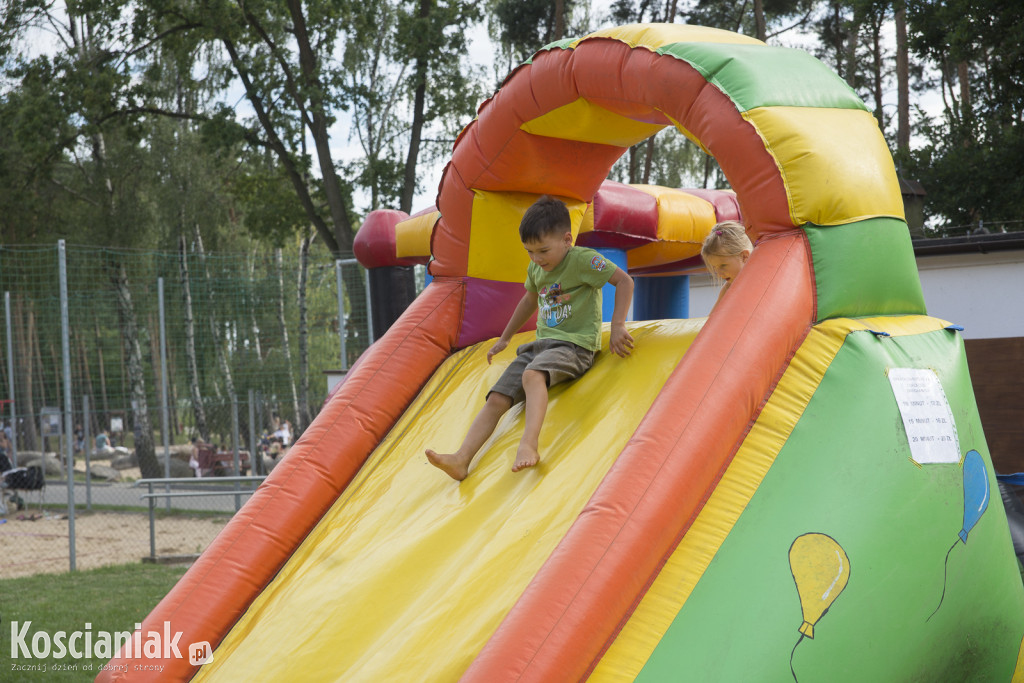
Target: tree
column 434, row 37
column 971, row 162
column 764, row 19
column 280, row 54
column 191, row 361
column 302, row 415
column 90, row 108
column 521, row 27
column 191, row 200
column 375, row 86
column 405, row 80
column 902, row 79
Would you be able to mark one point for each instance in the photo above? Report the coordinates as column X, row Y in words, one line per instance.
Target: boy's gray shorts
column 561, row 360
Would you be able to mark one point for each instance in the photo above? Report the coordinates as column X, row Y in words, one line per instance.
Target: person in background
column 284, row 433
column 103, row 443
column 193, row 458
column 79, row 439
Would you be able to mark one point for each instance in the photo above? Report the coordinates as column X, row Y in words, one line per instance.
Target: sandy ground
column 37, row 543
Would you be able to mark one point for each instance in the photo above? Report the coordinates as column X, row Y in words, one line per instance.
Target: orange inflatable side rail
column 259, row 539
column 590, row 585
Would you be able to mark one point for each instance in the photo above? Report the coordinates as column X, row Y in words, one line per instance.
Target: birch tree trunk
column 198, row 410
column 88, row 388
column 222, row 360
column 28, row 439
column 302, row 417
column 141, row 426
column 257, row 346
column 103, row 374
column 279, row 259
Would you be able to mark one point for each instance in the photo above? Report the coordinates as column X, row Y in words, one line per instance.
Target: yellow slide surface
column 410, row 572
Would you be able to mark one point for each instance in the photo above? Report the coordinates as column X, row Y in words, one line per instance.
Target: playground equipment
column 796, row 487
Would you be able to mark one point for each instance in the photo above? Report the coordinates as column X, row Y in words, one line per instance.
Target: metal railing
column 150, row 496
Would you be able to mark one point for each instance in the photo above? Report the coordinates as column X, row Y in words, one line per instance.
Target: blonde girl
column 725, row 251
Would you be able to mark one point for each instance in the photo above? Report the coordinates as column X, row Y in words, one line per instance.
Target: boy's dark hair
column 546, row 216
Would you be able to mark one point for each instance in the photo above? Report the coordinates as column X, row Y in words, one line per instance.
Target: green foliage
column 524, row 26
column 972, row 181
column 167, row 118
column 675, row 162
column 970, row 163
column 780, row 15
column 272, row 211
column 440, row 41
column 32, row 128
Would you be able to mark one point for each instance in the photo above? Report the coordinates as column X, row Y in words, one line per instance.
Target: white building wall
column 703, row 294
column 983, row 293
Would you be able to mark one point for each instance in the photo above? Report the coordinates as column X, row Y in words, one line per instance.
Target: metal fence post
column 152, row 521
column 234, row 445
column 10, row 380
column 369, row 307
column 68, row 417
column 255, row 458
column 87, row 452
column 342, row 331
column 164, row 420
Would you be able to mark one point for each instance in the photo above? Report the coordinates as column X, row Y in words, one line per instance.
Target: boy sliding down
column 565, row 281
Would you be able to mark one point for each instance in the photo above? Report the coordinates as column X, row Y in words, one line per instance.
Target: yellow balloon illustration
column 821, row 570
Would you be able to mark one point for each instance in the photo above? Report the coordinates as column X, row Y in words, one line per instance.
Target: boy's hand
column 498, row 347
column 620, row 341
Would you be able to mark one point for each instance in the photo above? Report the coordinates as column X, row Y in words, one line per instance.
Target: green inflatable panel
column 923, row 585
column 865, row 268
column 764, row 76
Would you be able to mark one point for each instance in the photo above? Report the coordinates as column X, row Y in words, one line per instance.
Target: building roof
column 966, row 244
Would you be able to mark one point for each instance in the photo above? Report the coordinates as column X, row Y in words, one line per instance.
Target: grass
column 111, row 599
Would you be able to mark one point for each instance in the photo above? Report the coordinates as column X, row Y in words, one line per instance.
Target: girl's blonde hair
column 728, row 238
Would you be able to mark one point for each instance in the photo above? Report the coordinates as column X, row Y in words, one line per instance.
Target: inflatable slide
column 796, row 488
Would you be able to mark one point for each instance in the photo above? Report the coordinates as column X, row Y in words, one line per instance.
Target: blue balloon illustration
column 976, row 491
column 976, row 495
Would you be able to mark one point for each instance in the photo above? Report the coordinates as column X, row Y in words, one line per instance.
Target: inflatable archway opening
column 795, row 142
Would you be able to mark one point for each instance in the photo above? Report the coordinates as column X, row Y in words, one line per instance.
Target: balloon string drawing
column 976, row 496
column 821, row 570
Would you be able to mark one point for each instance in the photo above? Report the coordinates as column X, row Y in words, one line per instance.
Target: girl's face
column 726, row 267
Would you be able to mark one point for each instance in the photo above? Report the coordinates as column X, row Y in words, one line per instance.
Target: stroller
column 14, row 479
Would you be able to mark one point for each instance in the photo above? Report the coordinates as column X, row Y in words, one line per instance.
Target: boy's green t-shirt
column 569, row 297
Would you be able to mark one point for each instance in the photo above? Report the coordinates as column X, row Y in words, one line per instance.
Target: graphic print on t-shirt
column 555, row 307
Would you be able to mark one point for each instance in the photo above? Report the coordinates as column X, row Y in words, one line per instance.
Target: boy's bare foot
column 449, row 463
column 526, row 456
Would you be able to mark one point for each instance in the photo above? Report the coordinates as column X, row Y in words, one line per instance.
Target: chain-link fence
column 156, row 364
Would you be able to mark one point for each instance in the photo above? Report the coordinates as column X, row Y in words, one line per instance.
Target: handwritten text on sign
column 926, row 415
